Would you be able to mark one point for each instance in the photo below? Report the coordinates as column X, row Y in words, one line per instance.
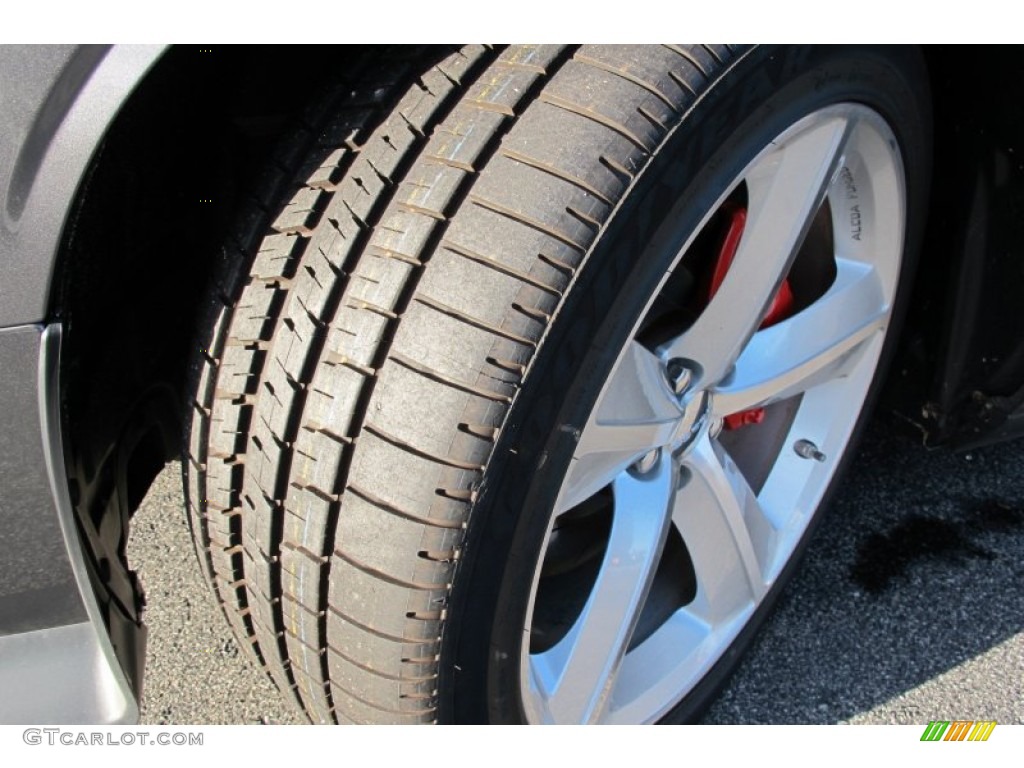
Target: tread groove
column 377, row 672
column 376, row 632
column 313, row 351
column 589, row 114
column 498, row 266
column 475, row 322
column 428, row 372
column 236, row 605
column 378, row 502
column 386, row 710
column 519, row 157
column 387, row 577
column 689, row 57
column 525, row 220
column 628, row 77
column 405, row 446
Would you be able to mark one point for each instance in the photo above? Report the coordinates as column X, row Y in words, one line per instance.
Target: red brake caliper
column 780, row 309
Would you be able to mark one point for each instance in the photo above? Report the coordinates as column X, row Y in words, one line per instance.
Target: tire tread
column 368, row 339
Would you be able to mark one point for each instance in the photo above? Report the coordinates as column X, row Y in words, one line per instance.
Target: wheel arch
column 73, row 96
column 176, row 143
column 959, row 377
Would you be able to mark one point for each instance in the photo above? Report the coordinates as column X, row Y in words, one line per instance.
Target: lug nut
column 647, row 462
column 808, row 450
column 679, row 375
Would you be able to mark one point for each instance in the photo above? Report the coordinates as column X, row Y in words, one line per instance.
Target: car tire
column 456, row 401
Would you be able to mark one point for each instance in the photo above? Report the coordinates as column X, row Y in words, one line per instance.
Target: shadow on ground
column 916, row 572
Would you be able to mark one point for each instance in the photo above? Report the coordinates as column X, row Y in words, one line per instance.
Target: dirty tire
column 391, row 339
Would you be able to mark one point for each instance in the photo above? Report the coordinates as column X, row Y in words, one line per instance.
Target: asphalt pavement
column 909, row 606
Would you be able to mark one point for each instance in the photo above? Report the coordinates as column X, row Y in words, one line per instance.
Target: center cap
column 695, row 421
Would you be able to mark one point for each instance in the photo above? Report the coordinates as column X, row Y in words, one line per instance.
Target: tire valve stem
column 808, row 450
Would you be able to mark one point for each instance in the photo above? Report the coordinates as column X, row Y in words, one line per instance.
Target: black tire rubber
column 389, row 355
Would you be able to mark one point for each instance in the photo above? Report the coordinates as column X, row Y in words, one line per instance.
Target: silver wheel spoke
column 725, row 531
column 785, row 187
column 653, row 436
column 812, row 347
column 576, row 676
column 635, row 413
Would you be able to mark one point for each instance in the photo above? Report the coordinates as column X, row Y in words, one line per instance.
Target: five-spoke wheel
column 716, row 434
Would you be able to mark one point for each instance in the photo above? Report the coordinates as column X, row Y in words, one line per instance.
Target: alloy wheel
column 720, row 427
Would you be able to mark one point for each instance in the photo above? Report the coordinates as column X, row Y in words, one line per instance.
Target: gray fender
column 56, row 661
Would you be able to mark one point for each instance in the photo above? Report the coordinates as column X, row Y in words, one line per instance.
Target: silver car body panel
column 56, row 102
column 37, row 584
column 54, row 647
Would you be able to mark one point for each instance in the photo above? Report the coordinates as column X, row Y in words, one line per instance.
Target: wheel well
column 958, row 377
column 157, row 203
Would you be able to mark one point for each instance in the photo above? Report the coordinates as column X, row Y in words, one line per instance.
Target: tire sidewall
column 757, row 97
